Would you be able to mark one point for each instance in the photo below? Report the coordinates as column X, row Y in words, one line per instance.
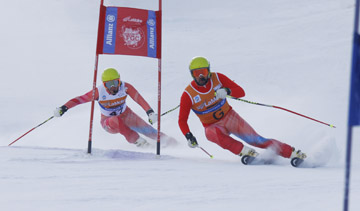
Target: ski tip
column 247, row 159
column 296, row 162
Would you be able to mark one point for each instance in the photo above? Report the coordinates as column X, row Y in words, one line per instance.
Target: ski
column 296, row 162
column 252, row 160
column 247, row 159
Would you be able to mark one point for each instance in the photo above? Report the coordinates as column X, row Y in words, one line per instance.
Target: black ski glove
column 191, row 140
column 152, row 116
column 60, row 111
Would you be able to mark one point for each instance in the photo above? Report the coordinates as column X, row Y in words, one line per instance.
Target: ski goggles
column 198, row 72
column 112, row 83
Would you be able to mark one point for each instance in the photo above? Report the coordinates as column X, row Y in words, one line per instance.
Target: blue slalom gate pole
column 354, row 104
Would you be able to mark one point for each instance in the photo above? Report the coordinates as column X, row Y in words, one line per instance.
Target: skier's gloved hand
column 191, row 140
column 152, row 116
column 222, row 92
column 60, row 111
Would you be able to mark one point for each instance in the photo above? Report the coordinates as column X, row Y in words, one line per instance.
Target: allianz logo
column 109, row 35
column 110, row 18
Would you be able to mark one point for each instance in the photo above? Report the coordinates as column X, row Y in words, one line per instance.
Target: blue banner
column 151, row 34
column 110, row 30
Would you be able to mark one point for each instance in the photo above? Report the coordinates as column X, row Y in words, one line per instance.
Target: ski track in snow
column 72, row 179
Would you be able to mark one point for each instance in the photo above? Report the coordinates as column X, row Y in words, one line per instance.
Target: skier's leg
column 115, row 124
column 218, row 135
column 240, row 128
column 139, row 125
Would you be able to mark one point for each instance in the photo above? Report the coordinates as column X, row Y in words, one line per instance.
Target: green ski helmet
column 110, row 74
column 200, row 70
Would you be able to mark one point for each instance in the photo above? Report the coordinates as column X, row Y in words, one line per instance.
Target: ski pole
column 170, row 110
column 30, row 130
column 272, row 106
column 205, row 151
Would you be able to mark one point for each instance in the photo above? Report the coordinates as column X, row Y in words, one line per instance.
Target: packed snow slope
column 292, row 54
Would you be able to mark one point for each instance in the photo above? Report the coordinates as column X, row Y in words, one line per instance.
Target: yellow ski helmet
column 110, row 74
column 198, row 63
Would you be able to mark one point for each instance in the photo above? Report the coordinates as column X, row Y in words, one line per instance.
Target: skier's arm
column 76, row 101
column 135, row 95
column 82, row 99
column 235, row 89
column 185, row 106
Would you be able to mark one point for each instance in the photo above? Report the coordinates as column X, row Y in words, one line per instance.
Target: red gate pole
column 159, row 79
column 99, row 48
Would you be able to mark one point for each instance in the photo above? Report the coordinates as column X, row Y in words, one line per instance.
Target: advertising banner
column 130, row 31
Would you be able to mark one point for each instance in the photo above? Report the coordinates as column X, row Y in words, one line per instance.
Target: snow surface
column 293, row 54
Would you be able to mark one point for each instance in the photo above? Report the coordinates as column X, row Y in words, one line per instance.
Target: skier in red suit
column 116, row 116
column 206, row 97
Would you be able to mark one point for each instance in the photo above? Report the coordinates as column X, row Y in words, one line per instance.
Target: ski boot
column 297, row 157
column 142, row 143
column 248, row 155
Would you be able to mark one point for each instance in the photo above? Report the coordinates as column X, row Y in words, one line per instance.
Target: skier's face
column 202, row 80
column 201, row 76
column 112, row 86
